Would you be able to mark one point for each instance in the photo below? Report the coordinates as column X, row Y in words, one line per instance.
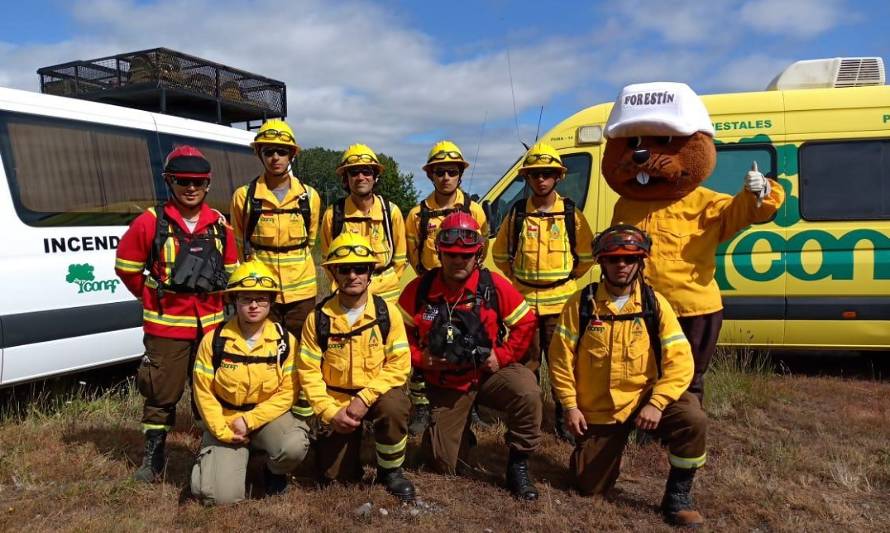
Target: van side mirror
column 492, row 227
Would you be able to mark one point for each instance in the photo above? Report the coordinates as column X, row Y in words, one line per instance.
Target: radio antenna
column 513, row 94
column 538, row 131
column 478, row 145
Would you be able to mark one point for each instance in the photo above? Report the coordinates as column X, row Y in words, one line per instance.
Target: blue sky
column 398, row 75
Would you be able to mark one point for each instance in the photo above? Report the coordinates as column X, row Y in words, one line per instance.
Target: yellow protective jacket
column 295, row 268
column 425, row 252
column 685, row 235
column 364, row 365
column 270, row 386
column 607, row 370
column 544, row 255
column 386, row 283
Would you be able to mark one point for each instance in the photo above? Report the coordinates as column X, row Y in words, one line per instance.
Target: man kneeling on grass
column 243, row 383
column 619, row 359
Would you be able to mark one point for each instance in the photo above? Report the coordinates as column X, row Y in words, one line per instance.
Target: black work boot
column 420, row 419
column 677, row 505
column 274, row 483
column 518, row 479
column 560, row 422
column 395, row 483
column 153, row 458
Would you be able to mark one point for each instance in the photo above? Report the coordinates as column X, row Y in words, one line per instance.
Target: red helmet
column 187, row 162
column 622, row 239
column 459, row 234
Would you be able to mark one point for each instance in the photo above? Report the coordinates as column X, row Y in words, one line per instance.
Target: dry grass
column 786, row 453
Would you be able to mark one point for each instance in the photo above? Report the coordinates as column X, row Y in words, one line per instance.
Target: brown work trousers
column 292, row 315
column 537, row 351
column 596, row 460
column 161, row 378
column 702, row 332
column 337, row 454
column 512, row 389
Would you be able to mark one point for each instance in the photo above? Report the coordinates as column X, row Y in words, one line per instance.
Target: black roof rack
column 165, row 81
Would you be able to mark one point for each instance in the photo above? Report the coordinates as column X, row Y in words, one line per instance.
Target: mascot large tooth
column 659, row 150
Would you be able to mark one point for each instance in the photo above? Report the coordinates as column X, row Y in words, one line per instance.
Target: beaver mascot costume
column 659, row 151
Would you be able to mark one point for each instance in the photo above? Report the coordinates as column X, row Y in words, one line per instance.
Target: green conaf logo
column 82, row 276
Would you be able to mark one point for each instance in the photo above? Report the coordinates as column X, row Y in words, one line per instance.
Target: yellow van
column 818, row 275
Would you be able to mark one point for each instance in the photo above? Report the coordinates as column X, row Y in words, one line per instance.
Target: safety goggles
column 542, row 158
column 275, row 134
column 360, row 171
column 253, row 281
column 262, row 300
column 359, row 158
column 345, row 270
column 465, row 237
column 451, row 172
column 185, row 183
column 280, row 152
column 343, row 251
column 445, row 154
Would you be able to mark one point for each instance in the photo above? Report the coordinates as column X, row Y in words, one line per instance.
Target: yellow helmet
column 252, row 276
column 275, row 131
column 358, row 155
column 445, row 152
column 350, row 248
column 542, row 155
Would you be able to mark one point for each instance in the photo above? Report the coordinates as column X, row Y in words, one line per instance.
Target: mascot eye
column 634, row 142
column 663, row 140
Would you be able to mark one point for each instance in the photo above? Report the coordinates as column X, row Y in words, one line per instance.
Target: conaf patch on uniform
column 228, row 364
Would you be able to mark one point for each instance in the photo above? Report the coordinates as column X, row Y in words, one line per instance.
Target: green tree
column 81, row 272
column 318, row 167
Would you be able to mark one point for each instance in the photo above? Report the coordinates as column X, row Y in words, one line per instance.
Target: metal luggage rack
column 166, row 81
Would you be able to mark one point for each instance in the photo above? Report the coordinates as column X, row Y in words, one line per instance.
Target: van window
column 847, row 180
column 734, row 161
column 574, row 186
column 232, row 166
column 72, row 173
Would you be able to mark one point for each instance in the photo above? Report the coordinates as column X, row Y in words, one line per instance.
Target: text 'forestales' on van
column 818, row 274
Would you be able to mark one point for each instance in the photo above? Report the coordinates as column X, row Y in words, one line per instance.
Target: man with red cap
column 175, row 258
column 468, row 328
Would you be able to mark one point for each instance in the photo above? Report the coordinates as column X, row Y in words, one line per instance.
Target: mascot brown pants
column 701, row 331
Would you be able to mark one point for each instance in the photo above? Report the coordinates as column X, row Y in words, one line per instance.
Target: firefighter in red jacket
column 468, row 328
column 175, row 264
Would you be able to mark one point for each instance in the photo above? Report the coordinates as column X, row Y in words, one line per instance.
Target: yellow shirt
column 295, row 269
column 425, row 252
column 364, row 363
column 370, row 225
column 608, row 369
column 685, row 234
column 544, row 255
column 268, row 385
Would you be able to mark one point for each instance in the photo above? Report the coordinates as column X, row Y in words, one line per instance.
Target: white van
column 74, row 174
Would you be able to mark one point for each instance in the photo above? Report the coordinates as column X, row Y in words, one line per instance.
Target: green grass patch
column 737, row 379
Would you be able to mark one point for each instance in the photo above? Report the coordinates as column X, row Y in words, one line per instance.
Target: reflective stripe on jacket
column 365, row 363
column 268, row 385
column 544, row 255
column 385, row 284
column 176, row 315
column 608, row 369
column 295, row 269
column 685, row 236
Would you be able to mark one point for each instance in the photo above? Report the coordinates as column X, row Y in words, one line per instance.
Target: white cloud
column 797, row 18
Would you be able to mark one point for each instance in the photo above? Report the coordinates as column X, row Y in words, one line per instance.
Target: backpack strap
column 388, row 233
column 517, row 215
column 569, row 206
column 339, row 218
column 381, row 317
column 423, row 290
column 487, row 295
column 255, row 210
column 303, row 205
column 422, row 233
column 585, row 307
column 323, row 325
column 162, row 232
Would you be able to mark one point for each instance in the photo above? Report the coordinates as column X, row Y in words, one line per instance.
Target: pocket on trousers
column 198, row 481
column 146, row 376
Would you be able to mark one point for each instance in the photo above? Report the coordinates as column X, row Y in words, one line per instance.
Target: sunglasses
column 542, row 174
column 467, row 237
column 253, row 281
column 343, row 251
column 281, row 152
column 445, row 154
column 439, row 172
column 190, row 182
column 543, row 158
column 275, row 134
column 345, row 270
column 626, row 259
column 359, row 158
column 360, row 171
column 262, row 301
